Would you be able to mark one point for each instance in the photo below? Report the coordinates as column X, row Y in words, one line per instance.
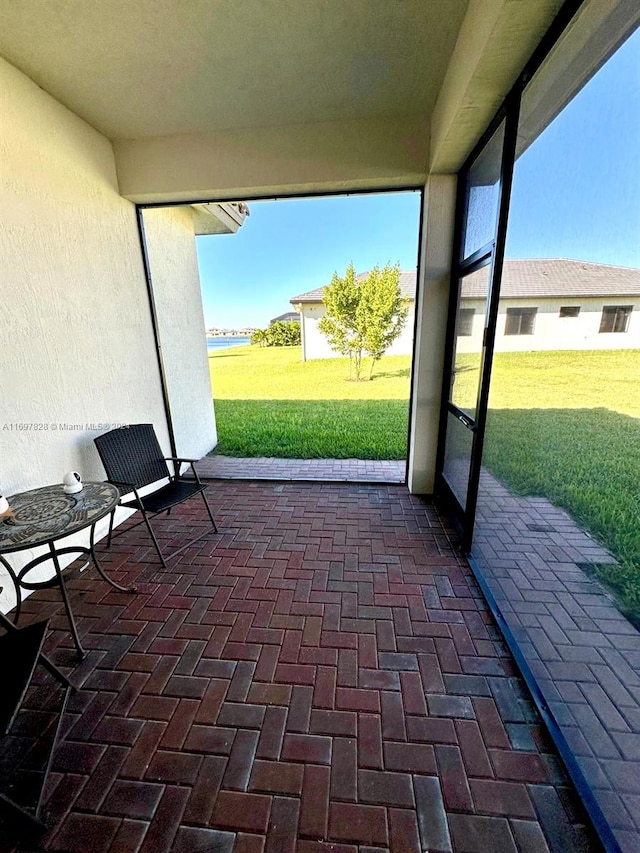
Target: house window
column 615, row 318
column 520, row 321
column 465, row 321
column 569, row 310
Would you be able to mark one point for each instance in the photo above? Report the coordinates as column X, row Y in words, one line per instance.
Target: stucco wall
column 250, row 162
column 552, row 332
column 173, row 261
column 315, row 344
column 434, row 276
column 76, row 345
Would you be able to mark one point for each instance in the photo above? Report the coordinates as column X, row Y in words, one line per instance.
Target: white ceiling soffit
column 154, row 68
column 496, row 40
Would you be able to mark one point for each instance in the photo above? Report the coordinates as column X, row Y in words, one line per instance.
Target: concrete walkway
column 327, row 470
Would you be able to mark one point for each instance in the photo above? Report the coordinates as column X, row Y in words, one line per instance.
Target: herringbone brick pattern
column 323, row 675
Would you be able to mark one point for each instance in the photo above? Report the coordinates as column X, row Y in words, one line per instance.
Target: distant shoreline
column 228, row 335
column 215, row 342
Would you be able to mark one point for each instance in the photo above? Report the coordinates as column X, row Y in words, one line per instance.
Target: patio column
column 434, row 272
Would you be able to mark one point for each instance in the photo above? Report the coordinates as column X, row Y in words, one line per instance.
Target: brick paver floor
column 323, row 675
column 583, row 653
column 327, row 470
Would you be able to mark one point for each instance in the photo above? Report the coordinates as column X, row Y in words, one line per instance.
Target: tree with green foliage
column 364, row 315
column 277, row 334
column 281, row 334
column 259, row 337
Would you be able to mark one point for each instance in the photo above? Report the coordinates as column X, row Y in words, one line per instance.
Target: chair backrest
column 132, row 455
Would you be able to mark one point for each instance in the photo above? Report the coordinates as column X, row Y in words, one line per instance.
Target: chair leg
column 153, row 536
column 206, row 503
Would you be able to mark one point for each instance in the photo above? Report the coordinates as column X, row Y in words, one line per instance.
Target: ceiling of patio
column 211, row 99
column 157, row 68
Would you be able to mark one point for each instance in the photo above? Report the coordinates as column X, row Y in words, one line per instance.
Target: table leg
column 111, row 520
column 13, row 577
column 65, row 599
column 101, row 572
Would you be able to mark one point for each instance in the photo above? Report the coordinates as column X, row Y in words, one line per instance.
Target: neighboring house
column 288, row 317
column 544, row 305
column 311, row 309
column 552, row 304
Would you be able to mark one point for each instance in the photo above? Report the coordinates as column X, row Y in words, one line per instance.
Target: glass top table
column 42, row 517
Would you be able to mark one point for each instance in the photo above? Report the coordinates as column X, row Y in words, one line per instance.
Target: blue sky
column 287, row 247
column 576, row 194
column 576, row 190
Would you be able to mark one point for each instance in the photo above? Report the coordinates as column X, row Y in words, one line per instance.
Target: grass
column 277, row 373
column 567, row 379
column 270, row 403
column 313, row 429
column 565, row 425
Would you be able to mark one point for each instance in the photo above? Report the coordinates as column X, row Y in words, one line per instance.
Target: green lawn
column 277, row 373
column 560, row 380
column 561, row 424
column 313, row 429
column 270, row 403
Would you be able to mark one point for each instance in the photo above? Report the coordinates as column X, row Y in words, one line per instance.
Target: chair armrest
column 179, row 461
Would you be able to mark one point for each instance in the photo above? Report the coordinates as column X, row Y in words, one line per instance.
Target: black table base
column 44, row 517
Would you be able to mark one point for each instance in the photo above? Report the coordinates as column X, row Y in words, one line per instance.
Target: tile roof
column 535, row 277
column 288, row 317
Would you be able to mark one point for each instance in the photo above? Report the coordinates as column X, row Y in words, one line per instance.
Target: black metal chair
column 133, row 459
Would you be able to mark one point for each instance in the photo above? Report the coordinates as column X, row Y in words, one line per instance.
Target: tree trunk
column 358, row 364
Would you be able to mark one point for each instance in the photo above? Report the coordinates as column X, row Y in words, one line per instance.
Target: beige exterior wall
column 250, row 162
column 434, row 278
column 552, row 332
column 76, row 344
column 171, row 248
column 315, row 344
